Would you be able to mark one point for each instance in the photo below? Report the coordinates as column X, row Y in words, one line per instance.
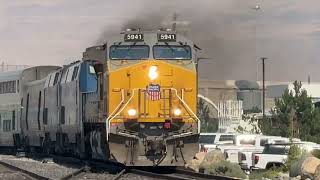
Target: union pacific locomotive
column 131, row 100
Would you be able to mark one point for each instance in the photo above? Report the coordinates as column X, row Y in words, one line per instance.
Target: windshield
column 128, row 52
column 207, row 139
column 172, row 52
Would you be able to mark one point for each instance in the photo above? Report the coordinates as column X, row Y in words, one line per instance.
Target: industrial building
column 228, row 100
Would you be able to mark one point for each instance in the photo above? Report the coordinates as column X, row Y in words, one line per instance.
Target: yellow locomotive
column 150, row 98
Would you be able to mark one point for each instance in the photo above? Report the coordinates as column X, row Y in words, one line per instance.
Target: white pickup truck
column 245, row 156
column 210, row 141
column 273, row 155
column 276, row 155
column 247, row 143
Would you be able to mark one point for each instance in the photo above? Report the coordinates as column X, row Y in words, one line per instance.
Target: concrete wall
column 218, row 91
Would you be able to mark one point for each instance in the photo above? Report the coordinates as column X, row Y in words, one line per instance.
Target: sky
column 231, row 32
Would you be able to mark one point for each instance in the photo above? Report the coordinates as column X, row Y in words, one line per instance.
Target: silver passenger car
column 12, row 85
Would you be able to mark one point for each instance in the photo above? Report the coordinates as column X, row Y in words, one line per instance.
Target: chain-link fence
column 7, row 67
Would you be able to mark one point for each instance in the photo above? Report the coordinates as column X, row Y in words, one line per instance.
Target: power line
column 10, row 67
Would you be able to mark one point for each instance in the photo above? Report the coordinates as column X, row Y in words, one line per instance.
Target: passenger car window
column 7, row 87
column 6, row 125
column 47, row 81
column 51, row 79
column 64, row 76
column 69, row 75
column 75, row 73
column 56, row 77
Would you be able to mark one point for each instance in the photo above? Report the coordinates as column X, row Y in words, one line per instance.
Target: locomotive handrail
column 113, row 116
column 110, row 116
column 185, row 104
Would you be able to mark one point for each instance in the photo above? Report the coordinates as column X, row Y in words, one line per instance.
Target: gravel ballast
column 50, row 170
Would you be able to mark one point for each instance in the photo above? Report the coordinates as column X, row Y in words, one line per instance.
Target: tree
column 294, row 116
column 208, row 124
column 249, row 123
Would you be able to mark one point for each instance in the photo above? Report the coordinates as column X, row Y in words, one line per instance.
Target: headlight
column 153, row 74
column 177, row 112
column 132, row 112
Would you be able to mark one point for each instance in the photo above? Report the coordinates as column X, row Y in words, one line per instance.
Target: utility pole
column 263, row 88
column 174, row 24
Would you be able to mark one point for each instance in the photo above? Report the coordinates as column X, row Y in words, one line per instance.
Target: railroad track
column 118, row 171
column 174, row 174
column 29, row 173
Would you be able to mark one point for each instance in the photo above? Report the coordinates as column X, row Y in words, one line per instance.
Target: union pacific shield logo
column 153, row 91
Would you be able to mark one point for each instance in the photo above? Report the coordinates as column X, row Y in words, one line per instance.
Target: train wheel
column 46, row 145
column 58, row 149
column 26, row 144
column 78, row 152
column 88, row 151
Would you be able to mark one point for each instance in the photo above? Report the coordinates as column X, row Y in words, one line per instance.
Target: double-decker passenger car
column 12, row 86
column 9, row 107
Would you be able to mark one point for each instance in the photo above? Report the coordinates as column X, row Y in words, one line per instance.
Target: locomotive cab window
column 92, row 70
column 129, row 52
column 88, row 78
column 179, row 52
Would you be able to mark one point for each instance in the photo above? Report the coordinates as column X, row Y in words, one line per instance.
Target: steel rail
column 119, row 175
column 76, row 173
column 29, row 173
column 180, row 174
column 203, row 175
column 157, row 175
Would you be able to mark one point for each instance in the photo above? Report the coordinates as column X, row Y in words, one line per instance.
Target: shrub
column 316, row 153
column 294, row 154
column 270, row 174
column 226, row 168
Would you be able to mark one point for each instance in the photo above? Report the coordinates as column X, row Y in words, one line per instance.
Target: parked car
column 209, row 141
